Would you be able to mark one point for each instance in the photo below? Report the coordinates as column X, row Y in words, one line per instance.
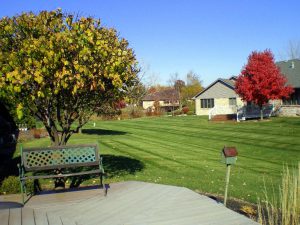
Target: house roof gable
column 291, row 70
column 230, row 83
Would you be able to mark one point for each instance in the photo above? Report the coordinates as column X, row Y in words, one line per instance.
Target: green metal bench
column 53, row 159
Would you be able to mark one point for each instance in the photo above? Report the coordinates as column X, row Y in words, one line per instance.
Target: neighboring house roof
column 163, row 95
column 291, row 69
column 230, row 83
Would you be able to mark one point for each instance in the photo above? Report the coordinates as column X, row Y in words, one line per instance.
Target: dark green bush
column 11, row 185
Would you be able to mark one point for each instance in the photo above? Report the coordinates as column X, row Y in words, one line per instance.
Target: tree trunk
column 57, row 138
column 180, row 103
column 261, row 113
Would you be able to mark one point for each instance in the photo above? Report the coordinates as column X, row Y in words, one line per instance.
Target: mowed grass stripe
column 121, row 148
column 235, row 129
column 197, row 136
column 239, row 134
column 261, row 127
column 255, row 140
column 254, row 147
column 196, row 158
column 202, row 152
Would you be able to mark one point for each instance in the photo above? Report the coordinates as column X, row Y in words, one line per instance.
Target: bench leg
column 22, row 182
column 22, row 191
column 101, row 180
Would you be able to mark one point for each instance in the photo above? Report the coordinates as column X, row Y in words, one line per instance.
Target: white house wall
column 147, row 104
column 221, row 94
column 221, row 103
column 199, row 110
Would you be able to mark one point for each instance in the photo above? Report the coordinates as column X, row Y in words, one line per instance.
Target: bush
column 130, row 112
column 191, row 106
column 11, row 185
column 37, row 133
column 185, row 110
column 137, row 113
column 149, row 113
column 177, row 112
column 31, row 134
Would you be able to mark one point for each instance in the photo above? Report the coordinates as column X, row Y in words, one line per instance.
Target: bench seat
column 53, row 160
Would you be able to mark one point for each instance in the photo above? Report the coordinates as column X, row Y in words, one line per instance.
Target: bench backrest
column 34, row 159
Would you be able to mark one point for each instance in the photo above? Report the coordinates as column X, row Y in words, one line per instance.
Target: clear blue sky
column 212, row 38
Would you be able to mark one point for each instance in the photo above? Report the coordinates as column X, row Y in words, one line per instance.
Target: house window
column 232, row 101
column 207, row 103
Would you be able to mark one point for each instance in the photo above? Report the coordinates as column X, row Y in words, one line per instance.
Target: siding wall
column 218, row 102
column 198, row 109
column 221, row 94
column 218, row 90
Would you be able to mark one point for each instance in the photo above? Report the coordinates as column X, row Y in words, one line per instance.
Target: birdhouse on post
column 229, row 155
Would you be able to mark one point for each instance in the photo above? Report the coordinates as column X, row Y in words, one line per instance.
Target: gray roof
column 167, row 94
column 291, row 69
column 227, row 82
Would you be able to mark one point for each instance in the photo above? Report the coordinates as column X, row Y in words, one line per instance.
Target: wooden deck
column 134, row 203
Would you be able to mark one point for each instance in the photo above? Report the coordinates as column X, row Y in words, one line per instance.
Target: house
column 168, row 100
column 219, row 98
column 291, row 70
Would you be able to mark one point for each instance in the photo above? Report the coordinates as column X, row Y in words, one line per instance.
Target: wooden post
column 227, row 182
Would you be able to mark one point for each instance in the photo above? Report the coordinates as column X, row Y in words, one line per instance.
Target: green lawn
column 185, row 151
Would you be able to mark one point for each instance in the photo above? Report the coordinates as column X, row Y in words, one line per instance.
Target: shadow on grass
column 120, row 165
column 113, row 166
column 103, row 132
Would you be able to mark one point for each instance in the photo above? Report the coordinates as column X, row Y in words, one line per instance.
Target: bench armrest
column 21, row 170
column 101, row 165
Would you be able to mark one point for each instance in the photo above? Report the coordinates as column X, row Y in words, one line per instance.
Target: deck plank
column 53, row 219
column 15, row 216
column 4, row 215
column 134, row 203
column 67, row 221
column 27, row 216
column 40, row 217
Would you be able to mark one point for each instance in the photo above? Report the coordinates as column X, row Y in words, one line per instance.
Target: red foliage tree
column 261, row 80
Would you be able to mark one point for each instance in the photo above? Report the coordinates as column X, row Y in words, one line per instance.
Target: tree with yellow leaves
column 63, row 69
